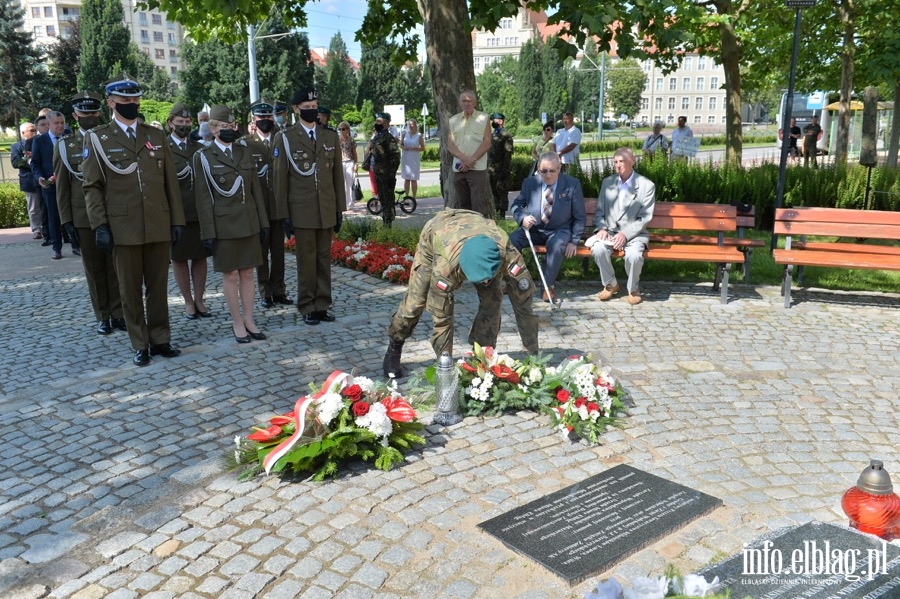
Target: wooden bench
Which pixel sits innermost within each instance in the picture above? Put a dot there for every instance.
(844, 224)
(678, 216)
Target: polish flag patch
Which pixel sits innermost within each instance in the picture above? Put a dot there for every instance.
(442, 285)
(514, 269)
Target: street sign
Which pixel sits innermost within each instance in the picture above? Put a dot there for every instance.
(800, 3)
(543, 117)
(424, 110)
(816, 101)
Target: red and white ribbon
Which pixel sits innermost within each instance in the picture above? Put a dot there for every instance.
(336, 378)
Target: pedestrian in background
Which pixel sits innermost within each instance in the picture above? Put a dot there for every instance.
(20, 156)
(499, 162)
(413, 144)
(568, 142)
(656, 142)
(348, 160)
(468, 143)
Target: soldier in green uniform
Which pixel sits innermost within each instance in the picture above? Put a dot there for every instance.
(103, 285)
(499, 159)
(281, 115)
(134, 207)
(386, 162)
(269, 274)
(455, 246)
(189, 256)
(308, 181)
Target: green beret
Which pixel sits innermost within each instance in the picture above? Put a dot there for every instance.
(324, 110)
(480, 258)
(383, 115)
(221, 113)
(498, 115)
(179, 109)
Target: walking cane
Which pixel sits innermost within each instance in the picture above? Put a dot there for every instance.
(554, 303)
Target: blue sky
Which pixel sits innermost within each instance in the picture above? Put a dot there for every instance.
(327, 17)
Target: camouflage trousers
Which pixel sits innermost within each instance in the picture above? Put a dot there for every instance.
(500, 191)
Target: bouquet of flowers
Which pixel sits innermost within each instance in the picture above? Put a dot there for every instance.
(495, 382)
(383, 260)
(348, 418)
(660, 587)
(587, 399)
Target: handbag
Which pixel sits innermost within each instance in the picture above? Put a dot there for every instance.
(367, 161)
(357, 192)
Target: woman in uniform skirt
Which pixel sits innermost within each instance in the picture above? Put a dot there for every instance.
(232, 214)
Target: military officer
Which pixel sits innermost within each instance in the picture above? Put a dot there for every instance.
(325, 116)
(233, 220)
(134, 206)
(189, 256)
(385, 162)
(269, 274)
(455, 246)
(99, 271)
(281, 115)
(499, 159)
(308, 180)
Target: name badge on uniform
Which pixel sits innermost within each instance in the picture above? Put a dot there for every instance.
(442, 285)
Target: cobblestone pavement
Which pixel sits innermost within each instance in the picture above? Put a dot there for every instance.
(112, 485)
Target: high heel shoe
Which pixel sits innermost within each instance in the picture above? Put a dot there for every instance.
(258, 335)
(244, 339)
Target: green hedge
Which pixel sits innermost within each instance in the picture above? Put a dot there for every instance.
(13, 211)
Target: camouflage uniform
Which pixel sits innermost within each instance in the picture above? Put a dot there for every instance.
(386, 161)
(436, 274)
(499, 159)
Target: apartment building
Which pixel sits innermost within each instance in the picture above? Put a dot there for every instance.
(157, 37)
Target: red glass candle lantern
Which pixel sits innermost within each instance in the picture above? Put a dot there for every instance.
(872, 505)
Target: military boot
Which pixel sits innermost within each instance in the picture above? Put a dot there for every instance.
(391, 364)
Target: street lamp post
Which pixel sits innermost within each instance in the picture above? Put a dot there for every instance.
(797, 5)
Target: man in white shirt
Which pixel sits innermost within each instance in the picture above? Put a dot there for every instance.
(468, 142)
(681, 132)
(568, 141)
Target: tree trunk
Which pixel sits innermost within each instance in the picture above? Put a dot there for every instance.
(731, 57)
(448, 48)
(845, 10)
(895, 129)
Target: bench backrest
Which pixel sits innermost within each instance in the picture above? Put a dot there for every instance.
(681, 216)
(837, 222)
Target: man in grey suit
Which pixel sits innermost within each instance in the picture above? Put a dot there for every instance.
(551, 207)
(624, 208)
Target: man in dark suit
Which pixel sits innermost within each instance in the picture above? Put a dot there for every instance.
(42, 167)
(20, 155)
(134, 207)
(551, 207)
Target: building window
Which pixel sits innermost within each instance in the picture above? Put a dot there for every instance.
(477, 62)
(711, 120)
(659, 84)
(644, 118)
(685, 103)
(698, 103)
(698, 119)
(670, 119)
(157, 19)
(35, 12)
(712, 103)
(701, 63)
(38, 31)
(160, 53)
(51, 30)
(48, 12)
(724, 120)
(142, 18)
(171, 39)
(146, 50)
(673, 83)
(671, 103)
(170, 25)
(646, 65)
(688, 63)
(686, 84)
(657, 104)
(701, 84)
(713, 83)
(174, 71)
(645, 103)
(157, 36)
(145, 35)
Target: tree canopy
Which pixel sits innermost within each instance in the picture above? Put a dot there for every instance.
(21, 71)
(105, 44)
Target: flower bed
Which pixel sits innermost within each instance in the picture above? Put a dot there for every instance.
(382, 260)
(348, 418)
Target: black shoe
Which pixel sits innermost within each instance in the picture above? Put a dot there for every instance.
(267, 302)
(193, 316)
(324, 316)
(165, 350)
(46, 242)
(56, 256)
(258, 335)
(104, 328)
(76, 251)
(283, 300)
(311, 318)
(119, 323)
(141, 357)
(244, 339)
(205, 314)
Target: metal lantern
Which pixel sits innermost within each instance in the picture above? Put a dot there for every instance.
(446, 392)
(872, 505)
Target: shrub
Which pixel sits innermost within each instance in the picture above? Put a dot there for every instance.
(13, 211)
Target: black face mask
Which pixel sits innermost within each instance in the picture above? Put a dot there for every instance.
(181, 131)
(128, 112)
(309, 115)
(88, 122)
(495, 125)
(227, 136)
(379, 127)
(265, 125)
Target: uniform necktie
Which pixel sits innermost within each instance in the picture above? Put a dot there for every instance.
(183, 146)
(547, 208)
(312, 137)
(228, 153)
(130, 132)
(266, 142)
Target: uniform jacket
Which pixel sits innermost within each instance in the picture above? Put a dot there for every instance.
(262, 157)
(631, 215)
(500, 153)
(386, 153)
(68, 155)
(19, 160)
(223, 217)
(308, 180)
(568, 211)
(141, 204)
(184, 170)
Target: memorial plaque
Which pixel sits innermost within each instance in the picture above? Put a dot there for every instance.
(585, 529)
(813, 561)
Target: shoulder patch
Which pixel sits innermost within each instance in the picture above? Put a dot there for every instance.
(84, 153)
(275, 153)
(524, 284)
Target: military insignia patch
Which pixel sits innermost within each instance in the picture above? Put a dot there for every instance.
(84, 153)
(514, 269)
(524, 284)
(71, 145)
(275, 153)
(103, 137)
(442, 285)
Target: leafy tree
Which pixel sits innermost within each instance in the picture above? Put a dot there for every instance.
(555, 77)
(377, 76)
(339, 79)
(160, 86)
(282, 63)
(530, 78)
(626, 85)
(105, 44)
(21, 72)
(215, 73)
(586, 81)
(63, 62)
(367, 118)
(498, 91)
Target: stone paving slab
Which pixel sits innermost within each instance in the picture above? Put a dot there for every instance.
(112, 486)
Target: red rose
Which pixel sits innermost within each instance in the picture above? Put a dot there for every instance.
(505, 373)
(360, 408)
(562, 395)
(353, 392)
(593, 407)
(265, 435)
(580, 402)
